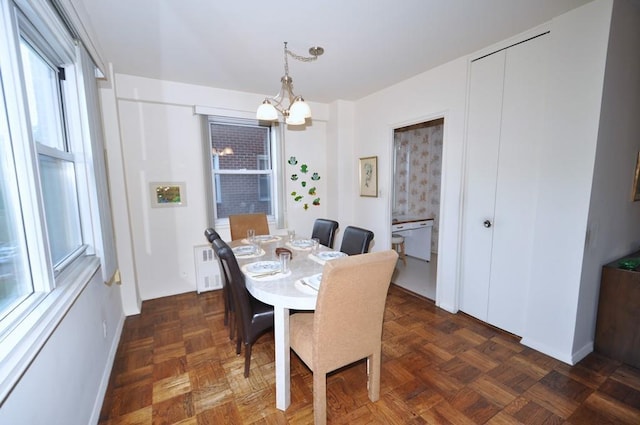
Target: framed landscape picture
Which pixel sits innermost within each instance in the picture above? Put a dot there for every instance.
(167, 194)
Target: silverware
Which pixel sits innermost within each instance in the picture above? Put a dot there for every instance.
(309, 285)
(266, 274)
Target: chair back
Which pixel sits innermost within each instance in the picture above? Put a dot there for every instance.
(214, 237)
(325, 231)
(235, 280)
(356, 240)
(211, 234)
(240, 223)
(349, 312)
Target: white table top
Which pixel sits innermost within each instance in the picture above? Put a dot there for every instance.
(283, 292)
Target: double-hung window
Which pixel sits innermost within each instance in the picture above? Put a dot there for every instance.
(56, 161)
(47, 180)
(242, 167)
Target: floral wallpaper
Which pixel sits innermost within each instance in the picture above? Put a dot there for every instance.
(418, 170)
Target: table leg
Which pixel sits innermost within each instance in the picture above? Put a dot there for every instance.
(283, 359)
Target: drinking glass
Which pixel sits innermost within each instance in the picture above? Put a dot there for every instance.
(316, 245)
(251, 235)
(285, 257)
(291, 234)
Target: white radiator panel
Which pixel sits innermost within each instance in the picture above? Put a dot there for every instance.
(207, 269)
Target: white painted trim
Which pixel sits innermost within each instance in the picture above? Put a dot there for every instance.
(106, 375)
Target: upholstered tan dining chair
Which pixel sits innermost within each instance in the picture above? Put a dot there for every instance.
(347, 323)
(240, 223)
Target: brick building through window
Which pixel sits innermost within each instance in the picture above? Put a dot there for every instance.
(243, 180)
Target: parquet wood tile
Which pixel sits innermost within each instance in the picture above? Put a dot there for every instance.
(176, 365)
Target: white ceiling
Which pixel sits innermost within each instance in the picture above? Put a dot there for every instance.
(237, 45)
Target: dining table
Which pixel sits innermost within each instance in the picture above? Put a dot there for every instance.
(294, 290)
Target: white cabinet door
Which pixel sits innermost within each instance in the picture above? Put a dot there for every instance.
(501, 189)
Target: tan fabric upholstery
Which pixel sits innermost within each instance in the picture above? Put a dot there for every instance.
(347, 323)
(240, 223)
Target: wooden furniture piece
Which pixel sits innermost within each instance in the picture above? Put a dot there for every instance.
(240, 223)
(617, 330)
(347, 323)
(397, 243)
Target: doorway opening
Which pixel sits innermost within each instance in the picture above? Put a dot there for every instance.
(415, 208)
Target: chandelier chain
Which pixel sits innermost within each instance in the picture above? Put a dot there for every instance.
(311, 58)
(302, 58)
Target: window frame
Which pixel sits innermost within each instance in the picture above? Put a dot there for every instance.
(26, 329)
(276, 178)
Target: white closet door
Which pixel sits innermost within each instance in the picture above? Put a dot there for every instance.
(517, 188)
(507, 96)
(483, 142)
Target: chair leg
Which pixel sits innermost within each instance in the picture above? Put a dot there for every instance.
(232, 325)
(226, 306)
(319, 398)
(247, 359)
(238, 342)
(373, 380)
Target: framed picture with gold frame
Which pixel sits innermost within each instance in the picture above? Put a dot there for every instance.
(369, 176)
(635, 193)
(165, 194)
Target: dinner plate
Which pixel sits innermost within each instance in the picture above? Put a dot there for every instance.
(301, 243)
(266, 238)
(244, 250)
(313, 281)
(263, 267)
(330, 255)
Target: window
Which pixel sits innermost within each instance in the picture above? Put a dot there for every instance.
(264, 180)
(47, 180)
(55, 160)
(15, 277)
(242, 167)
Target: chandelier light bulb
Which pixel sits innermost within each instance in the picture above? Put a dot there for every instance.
(298, 110)
(300, 107)
(267, 112)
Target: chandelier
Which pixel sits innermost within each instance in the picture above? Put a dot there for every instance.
(297, 110)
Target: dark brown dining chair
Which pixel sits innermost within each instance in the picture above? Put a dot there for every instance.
(347, 323)
(211, 234)
(253, 317)
(229, 309)
(240, 223)
(356, 240)
(325, 231)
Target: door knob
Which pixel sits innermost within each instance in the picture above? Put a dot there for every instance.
(487, 224)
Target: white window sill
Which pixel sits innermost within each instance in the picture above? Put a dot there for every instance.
(22, 344)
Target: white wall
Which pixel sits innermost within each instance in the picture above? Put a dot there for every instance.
(156, 136)
(567, 146)
(614, 224)
(567, 154)
(341, 166)
(436, 93)
(308, 147)
(66, 382)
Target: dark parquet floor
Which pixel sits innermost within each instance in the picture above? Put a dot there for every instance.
(176, 365)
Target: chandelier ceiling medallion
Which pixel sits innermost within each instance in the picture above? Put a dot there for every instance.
(296, 111)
